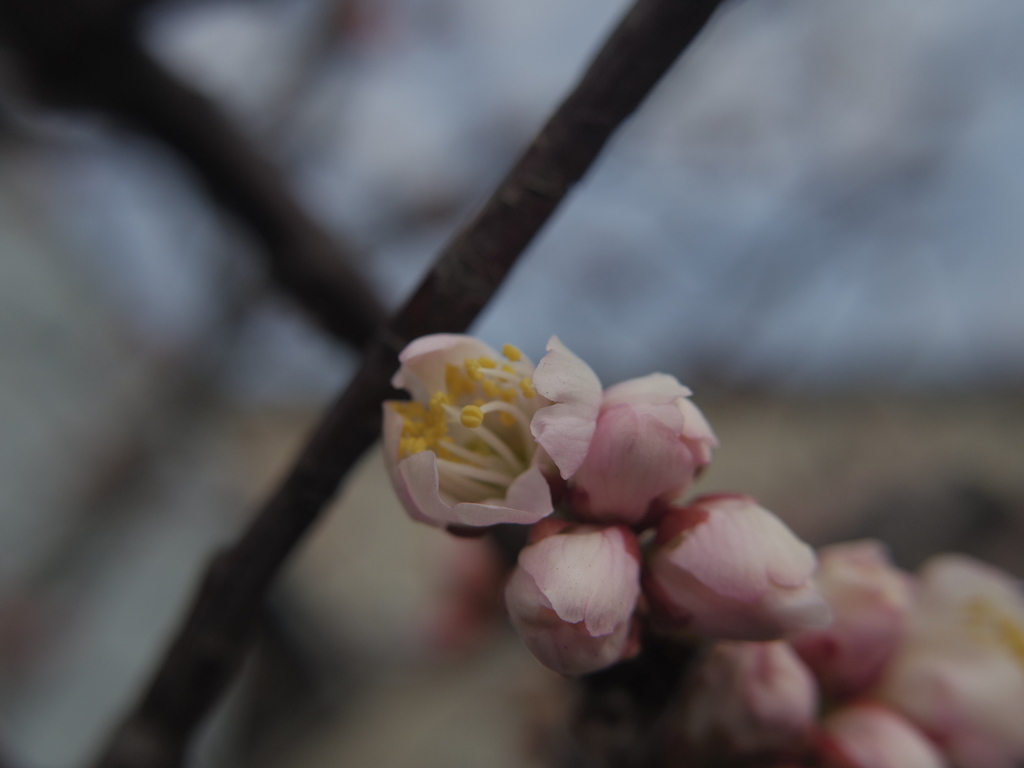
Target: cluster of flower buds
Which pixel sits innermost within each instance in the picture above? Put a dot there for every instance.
(916, 671)
(490, 438)
(835, 661)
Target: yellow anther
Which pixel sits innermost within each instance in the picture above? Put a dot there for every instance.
(508, 369)
(507, 419)
(508, 394)
(471, 416)
(526, 385)
(438, 401)
(1012, 637)
(410, 410)
(512, 353)
(490, 389)
(473, 370)
(456, 382)
(987, 619)
(486, 362)
(410, 445)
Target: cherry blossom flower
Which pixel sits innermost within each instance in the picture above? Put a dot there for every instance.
(649, 442)
(960, 673)
(725, 567)
(572, 597)
(871, 736)
(463, 451)
(751, 698)
(870, 600)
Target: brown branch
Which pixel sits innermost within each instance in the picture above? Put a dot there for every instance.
(303, 259)
(627, 716)
(98, 64)
(208, 649)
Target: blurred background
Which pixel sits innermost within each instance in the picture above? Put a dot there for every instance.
(814, 222)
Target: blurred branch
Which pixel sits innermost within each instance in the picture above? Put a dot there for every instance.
(620, 717)
(100, 65)
(210, 646)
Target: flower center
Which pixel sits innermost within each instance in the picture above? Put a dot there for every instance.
(478, 426)
(993, 624)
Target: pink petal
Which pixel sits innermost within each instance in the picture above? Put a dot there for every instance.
(750, 698)
(870, 600)
(870, 736)
(424, 360)
(586, 577)
(780, 689)
(392, 435)
(566, 648)
(418, 488)
(652, 388)
(697, 433)
(743, 550)
(958, 672)
(972, 704)
(683, 598)
(633, 459)
(565, 428)
(664, 397)
(530, 492)
(657, 394)
(738, 574)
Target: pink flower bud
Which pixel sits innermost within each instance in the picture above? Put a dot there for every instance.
(572, 596)
(960, 672)
(871, 736)
(463, 452)
(870, 600)
(649, 441)
(727, 568)
(751, 698)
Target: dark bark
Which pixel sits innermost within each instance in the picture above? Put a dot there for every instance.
(620, 720)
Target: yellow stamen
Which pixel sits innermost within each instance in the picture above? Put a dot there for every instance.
(438, 401)
(471, 416)
(410, 445)
(982, 615)
(456, 382)
(492, 385)
(412, 410)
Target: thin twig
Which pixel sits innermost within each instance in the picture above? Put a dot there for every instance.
(304, 261)
(208, 649)
(101, 66)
